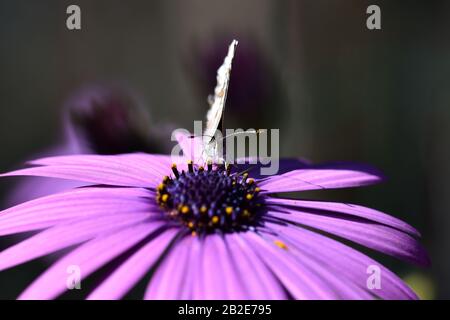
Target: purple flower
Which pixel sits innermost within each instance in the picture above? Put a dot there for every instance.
(206, 232)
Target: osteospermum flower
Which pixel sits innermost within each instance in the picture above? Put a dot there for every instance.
(206, 232)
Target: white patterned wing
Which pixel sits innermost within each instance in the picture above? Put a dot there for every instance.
(216, 111)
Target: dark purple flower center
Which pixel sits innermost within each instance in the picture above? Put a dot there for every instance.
(209, 200)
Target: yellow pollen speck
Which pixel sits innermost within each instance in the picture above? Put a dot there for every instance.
(245, 175)
(165, 179)
(165, 197)
(191, 224)
(251, 181)
(193, 233)
(184, 209)
(201, 168)
(215, 219)
(189, 162)
(249, 196)
(280, 244)
(229, 210)
(257, 189)
(246, 213)
(203, 209)
(160, 186)
(174, 165)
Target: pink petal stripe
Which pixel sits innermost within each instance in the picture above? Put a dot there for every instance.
(169, 278)
(375, 236)
(65, 235)
(88, 258)
(260, 283)
(136, 170)
(346, 209)
(313, 179)
(131, 271)
(343, 260)
(75, 204)
(298, 280)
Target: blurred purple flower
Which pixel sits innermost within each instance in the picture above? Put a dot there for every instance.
(207, 232)
(97, 120)
(104, 120)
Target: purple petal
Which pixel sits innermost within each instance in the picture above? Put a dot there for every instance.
(194, 282)
(135, 170)
(343, 261)
(301, 282)
(344, 289)
(220, 280)
(30, 188)
(347, 209)
(65, 235)
(260, 282)
(74, 204)
(221, 265)
(169, 278)
(372, 235)
(133, 269)
(254, 169)
(88, 258)
(318, 178)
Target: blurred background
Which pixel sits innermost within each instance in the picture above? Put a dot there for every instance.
(336, 90)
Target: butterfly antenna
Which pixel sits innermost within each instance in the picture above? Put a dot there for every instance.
(258, 131)
(246, 170)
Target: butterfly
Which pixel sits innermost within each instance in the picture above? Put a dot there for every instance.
(210, 147)
(215, 115)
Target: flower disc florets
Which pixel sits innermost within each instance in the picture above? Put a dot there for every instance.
(209, 200)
